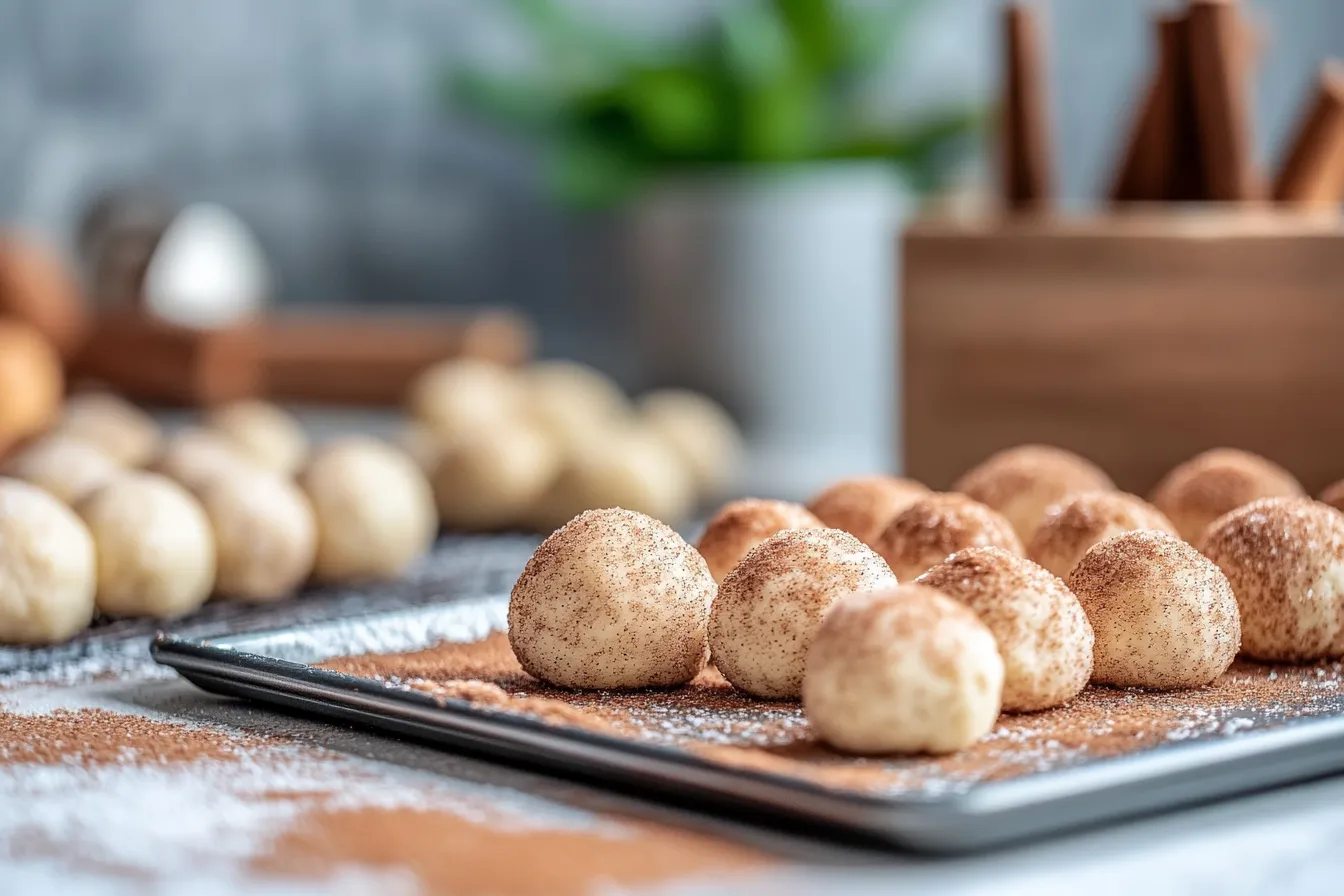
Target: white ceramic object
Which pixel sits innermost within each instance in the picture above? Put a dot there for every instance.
(207, 271)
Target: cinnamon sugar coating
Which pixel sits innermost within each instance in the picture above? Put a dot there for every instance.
(739, 526)
(1285, 560)
(1080, 521)
(1043, 635)
(1163, 614)
(612, 599)
(1023, 482)
(769, 607)
(936, 526)
(1197, 492)
(863, 505)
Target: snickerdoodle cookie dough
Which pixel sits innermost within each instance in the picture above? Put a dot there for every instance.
(195, 456)
(459, 397)
(1080, 521)
(66, 467)
(700, 432)
(905, 670)
(864, 505)
(1285, 560)
(374, 510)
(1043, 635)
(936, 526)
(265, 535)
(769, 607)
(119, 429)
(1163, 614)
(1197, 492)
(572, 403)
(156, 553)
(264, 433)
(739, 526)
(1023, 482)
(47, 554)
(493, 478)
(612, 599)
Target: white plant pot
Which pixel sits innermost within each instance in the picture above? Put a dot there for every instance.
(776, 292)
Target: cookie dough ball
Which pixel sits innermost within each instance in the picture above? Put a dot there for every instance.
(460, 397)
(48, 568)
(613, 599)
(739, 526)
(573, 402)
(1163, 614)
(156, 553)
(907, 670)
(492, 480)
(113, 425)
(265, 434)
(374, 509)
(770, 606)
(1022, 482)
(67, 468)
(421, 445)
(1334, 495)
(864, 505)
(1043, 635)
(265, 535)
(701, 433)
(1284, 558)
(1080, 521)
(1211, 484)
(194, 457)
(936, 526)
(31, 383)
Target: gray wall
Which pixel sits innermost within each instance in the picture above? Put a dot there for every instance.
(317, 120)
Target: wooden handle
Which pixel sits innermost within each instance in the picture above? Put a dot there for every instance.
(1313, 170)
(1218, 61)
(1026, 141)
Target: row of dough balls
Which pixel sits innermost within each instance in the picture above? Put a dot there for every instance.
(530, 448)
(106, 514)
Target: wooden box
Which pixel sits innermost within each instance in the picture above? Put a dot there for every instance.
(1136, 340)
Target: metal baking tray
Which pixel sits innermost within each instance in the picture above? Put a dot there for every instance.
(272, 667)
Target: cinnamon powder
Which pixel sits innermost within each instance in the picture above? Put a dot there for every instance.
(95, 737)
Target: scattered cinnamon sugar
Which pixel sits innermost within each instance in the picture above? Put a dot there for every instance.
(96, 737)
(708, 717)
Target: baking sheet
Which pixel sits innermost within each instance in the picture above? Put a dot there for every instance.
(1275, 745)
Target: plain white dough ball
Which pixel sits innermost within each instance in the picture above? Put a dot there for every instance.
(1220, 480)
(1023, 482)
(770, 606)
(69, 468)
(47, 567)
(374, 509)
(739, 526)
(573, 403)
(905, 670)
(1042, 632)
(701, 433)
(119, 429)
(421, 444)
(265, 535)
(156, 553)
(460, 397)
(195, 456)
(1082, 520)
(494, 478)
(1284, 558)
(864, 505)
(613, 599)
(1163, 614)
(264, 433)
(932, 528)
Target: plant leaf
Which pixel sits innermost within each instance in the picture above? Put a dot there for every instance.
(816, 30)
(755, 44)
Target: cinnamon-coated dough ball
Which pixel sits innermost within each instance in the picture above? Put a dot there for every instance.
(265, 535)
(739, 526)
(1043, 635)
(113, 425)
(67, 468)
(572, 402)
(936, 526)
(864, 505)
(264, 433)
(612, 599)
(1163, 614)
(1082, 520)
(1284, 558)
(31, 383)
(905, 670)
(47, 568)
(701, 433)
(1220, 480)
(195, 457)
(156, 553)
(770, 606)
(1022, 482)
(374, 509)
(492, 479)
(459, 397)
